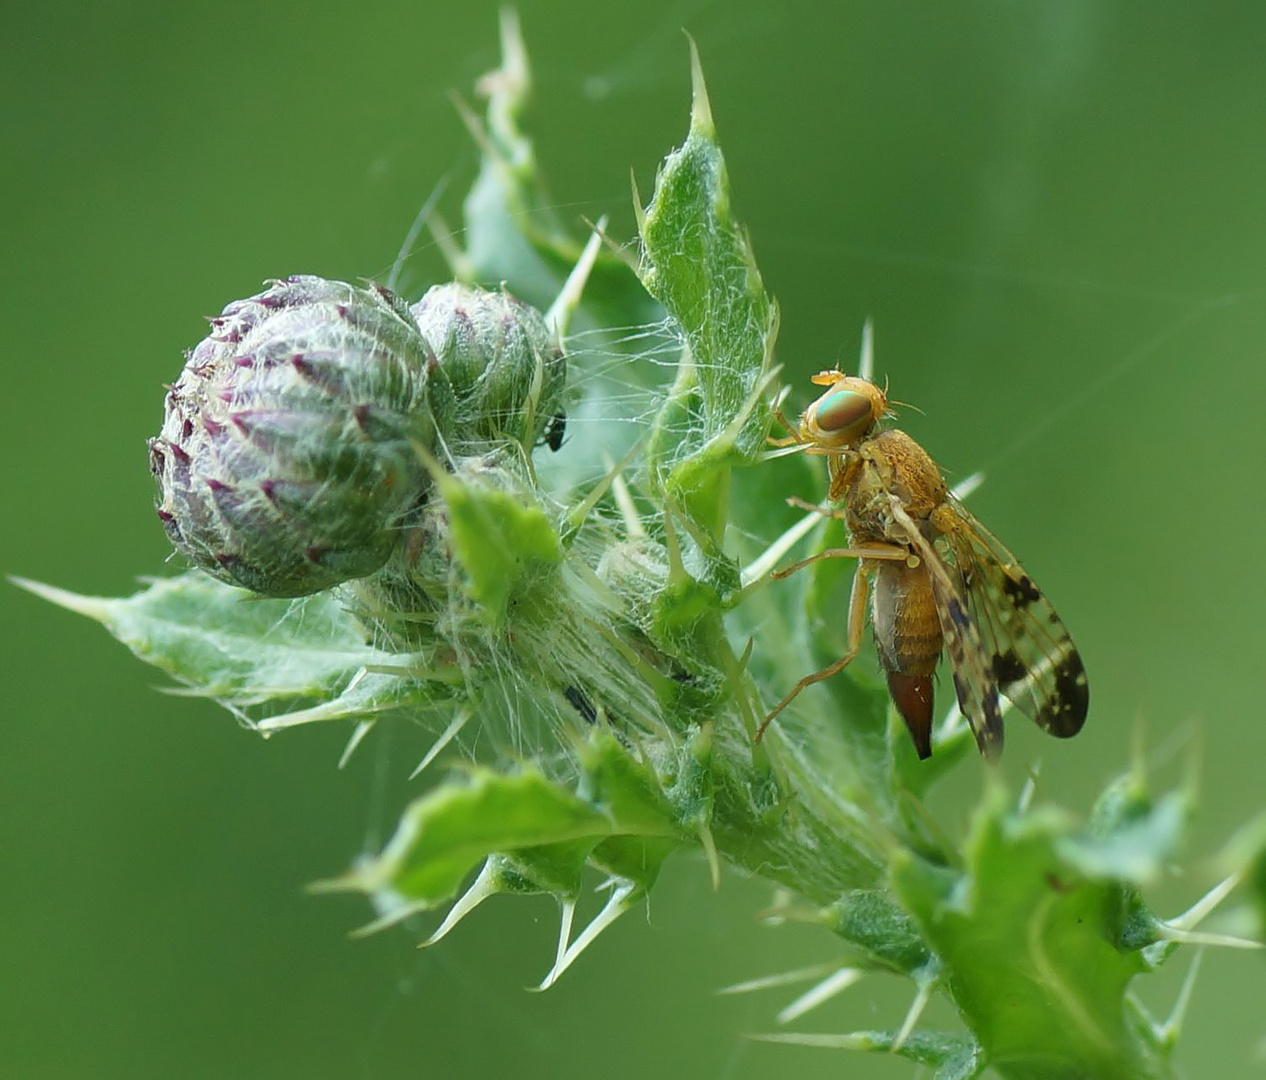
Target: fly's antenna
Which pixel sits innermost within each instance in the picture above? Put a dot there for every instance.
(904, 404)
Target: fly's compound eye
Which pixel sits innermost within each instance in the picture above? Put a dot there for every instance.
(844, 415)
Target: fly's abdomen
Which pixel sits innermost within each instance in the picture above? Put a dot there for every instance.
(907, 628)
(908, 640)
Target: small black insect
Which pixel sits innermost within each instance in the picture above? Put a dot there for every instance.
(554, 431)
(581, 703)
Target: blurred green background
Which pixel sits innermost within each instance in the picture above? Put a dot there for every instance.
(1055, 213)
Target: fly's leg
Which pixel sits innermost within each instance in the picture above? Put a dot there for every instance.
(792, 437)
(877, 550)
(856, 633)
(885, 552)
(814, 508)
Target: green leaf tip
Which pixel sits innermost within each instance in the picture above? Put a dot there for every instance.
(444, 833)
(954, 1057)
(97, 608)
(535, 835)
(639, 209)
(539, 829)
(697, 262)
(514, 62)
(700, 108)
(272, 663)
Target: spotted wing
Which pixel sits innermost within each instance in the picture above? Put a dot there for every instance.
(974, 682)
(1030, 654)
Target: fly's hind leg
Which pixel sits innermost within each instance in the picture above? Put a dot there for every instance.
(856, 632)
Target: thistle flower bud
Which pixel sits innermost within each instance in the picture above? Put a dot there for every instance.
(287, 462)
(505, 369)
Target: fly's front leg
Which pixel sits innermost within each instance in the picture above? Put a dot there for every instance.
(793, 430)
(856, 633)
(842, 469)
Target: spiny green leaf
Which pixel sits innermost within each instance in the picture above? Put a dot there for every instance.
(879, 931)
(1031, 947)
(510, 237)
(514, 236)
(263, 658)
(698, 263)
(443, 834)
(543, 829)
(503, 542)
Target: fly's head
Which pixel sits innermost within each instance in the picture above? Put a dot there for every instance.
(846, 414)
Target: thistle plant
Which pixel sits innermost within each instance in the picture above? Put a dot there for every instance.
(374, 500)
(285, 463)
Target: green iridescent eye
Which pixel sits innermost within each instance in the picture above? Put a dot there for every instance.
(842, 409)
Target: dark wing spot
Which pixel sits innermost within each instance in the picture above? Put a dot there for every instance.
(1064, 713)
(989, 733)
(956, 612)
(1021, 591)
(1007, 667)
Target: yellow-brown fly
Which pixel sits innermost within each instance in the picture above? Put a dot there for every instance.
(937, 579)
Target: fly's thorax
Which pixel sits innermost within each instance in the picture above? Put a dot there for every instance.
(907, 471)
(895, 465)
(904, 616)
(891, 464)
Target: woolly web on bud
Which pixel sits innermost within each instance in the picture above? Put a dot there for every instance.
(534, 687)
